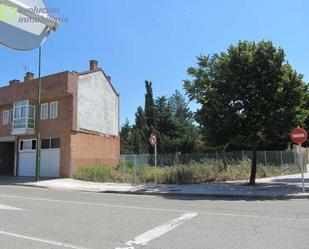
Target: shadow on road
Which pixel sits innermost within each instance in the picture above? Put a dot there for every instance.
(279, 189)
(11, 180)
(289, 180)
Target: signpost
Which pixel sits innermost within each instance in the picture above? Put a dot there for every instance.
(299, 136)
(153, 142)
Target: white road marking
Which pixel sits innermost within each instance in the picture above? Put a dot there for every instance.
(94, 204)
(157, 232)
(156, 209)
(6, 207)
(49, 242)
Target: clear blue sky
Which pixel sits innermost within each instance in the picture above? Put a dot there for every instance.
(158, 40)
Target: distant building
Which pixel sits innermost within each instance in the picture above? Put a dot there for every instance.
(79, 123)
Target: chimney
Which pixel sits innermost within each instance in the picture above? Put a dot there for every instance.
(29, 76)
(93, 65)
(109, 78)
(13, 82)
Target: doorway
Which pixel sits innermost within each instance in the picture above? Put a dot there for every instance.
(7, 158)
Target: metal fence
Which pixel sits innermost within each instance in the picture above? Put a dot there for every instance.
(275, 158)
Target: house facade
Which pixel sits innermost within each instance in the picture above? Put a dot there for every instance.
(79, 123)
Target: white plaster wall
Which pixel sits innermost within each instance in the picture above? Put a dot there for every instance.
(97, 106)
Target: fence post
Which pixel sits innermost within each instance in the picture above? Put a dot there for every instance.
(281, 161)
(265, 157)
(122, 168)
(134, 169)
(243, 155)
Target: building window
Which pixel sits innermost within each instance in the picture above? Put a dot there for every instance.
(44, 111)
(11, 116)
(23, 115)
(54, 109)
(45, 143)
(6, 117)
(50, 143)
(27, 145)
(55, 143)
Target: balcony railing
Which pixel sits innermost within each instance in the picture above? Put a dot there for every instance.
(23, 118)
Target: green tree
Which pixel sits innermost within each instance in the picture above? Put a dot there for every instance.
(219, 113)
(126, 138)
(187, 135)
(249, 95)
(165, 125)
(150, 111)
(180, 107)
(140, 142)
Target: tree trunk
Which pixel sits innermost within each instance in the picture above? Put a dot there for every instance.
(253, 165)
(224, 158)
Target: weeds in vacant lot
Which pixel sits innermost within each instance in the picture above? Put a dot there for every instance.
(207, 171)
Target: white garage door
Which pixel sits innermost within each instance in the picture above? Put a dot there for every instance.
(50, 161)
(26, 163)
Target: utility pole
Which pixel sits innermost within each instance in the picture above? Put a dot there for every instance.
(37, 122)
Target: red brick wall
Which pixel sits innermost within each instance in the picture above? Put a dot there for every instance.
(60, 87)
(5, 130)
(54, 85)
(89, 149)
(76, 149)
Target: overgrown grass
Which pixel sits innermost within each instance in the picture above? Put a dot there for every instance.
(207, 171)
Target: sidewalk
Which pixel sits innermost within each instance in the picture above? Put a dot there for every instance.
(283, 187)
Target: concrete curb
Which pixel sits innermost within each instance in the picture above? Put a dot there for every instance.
(214, 196)
(183, 195)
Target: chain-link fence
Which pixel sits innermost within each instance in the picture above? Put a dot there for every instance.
(274, 158)
(205, 167)
(195, 168)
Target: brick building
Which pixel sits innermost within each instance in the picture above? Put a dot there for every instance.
(79, 123)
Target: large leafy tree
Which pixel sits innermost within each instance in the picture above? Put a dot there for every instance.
(219, 113)
(248, 95)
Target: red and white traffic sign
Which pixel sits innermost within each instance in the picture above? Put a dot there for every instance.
(299, 135)
(153, 139)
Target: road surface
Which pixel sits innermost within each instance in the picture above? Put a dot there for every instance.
(34, 218)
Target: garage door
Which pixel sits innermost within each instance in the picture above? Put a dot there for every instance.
(50, 160)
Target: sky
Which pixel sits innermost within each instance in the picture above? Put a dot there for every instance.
(157, 40)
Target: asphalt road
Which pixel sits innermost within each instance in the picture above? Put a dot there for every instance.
(33, 218)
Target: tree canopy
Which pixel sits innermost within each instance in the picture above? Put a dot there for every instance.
(249, 95)
(169, 117)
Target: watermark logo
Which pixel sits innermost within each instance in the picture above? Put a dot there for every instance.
(12, 15)
(40, 13)
(8, 14)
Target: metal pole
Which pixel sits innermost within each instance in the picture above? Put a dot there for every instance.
(135, 174)
(301, 161)
(37, 122)
(155, 150)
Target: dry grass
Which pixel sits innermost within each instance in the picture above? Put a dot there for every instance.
(207, 171)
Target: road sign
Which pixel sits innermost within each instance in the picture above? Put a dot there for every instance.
(153, 142)
(299, 135)
(153, 139)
